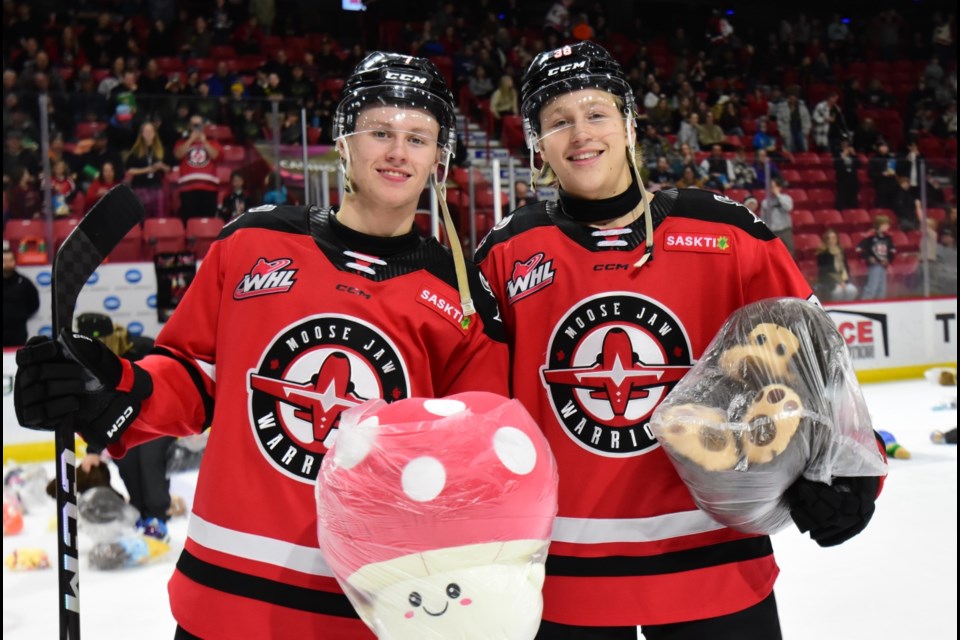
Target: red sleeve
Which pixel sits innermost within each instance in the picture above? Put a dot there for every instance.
(183, 365)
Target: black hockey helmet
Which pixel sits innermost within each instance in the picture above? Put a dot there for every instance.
(583, 65)
(392, 79)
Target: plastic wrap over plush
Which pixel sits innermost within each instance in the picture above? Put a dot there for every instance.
(435, 516)
(774, 397)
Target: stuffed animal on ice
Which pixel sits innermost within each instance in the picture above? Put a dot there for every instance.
(435, 516)
(774, 397)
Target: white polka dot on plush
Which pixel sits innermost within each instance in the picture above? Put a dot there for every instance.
(444, 406)
(354, 443)
(515, 450)
(423, 478)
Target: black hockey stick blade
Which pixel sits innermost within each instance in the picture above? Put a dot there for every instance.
(102, 229)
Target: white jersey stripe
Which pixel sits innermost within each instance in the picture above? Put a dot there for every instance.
(260, 548)
(603, 530)
(208, 369)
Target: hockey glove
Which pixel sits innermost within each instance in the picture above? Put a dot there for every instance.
(78, 376)
(833, 513)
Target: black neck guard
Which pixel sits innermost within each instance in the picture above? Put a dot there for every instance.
(600, 210)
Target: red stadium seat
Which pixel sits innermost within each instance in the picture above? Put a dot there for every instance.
(62, 228)
(821, 198)
(31, 233)
(130, 248)
(234, 154)
(828, 219)
(201, 232)
(737, 195)
(791, 176)
(856, 220)
(804, 222)
(805, 245)
(798, 195)
(814, 178)
(86, 130)
(162, 235)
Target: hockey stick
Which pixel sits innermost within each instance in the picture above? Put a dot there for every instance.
(102, 229)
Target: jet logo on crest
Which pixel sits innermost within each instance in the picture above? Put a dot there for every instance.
(611, 361)
(310, 374)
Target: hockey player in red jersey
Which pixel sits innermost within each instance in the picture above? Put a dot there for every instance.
(295, 315)
(608, 296)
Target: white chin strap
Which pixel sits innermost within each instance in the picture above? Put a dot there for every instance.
(459, 263)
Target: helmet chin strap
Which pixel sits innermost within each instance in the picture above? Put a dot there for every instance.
(644, 200)
(459, 263)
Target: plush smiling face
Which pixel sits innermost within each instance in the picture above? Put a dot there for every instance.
(482, 592)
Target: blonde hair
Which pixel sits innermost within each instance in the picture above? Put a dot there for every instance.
(140, 149)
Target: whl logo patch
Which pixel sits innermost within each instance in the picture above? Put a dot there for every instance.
(266, 278)
(698, 242)
(529, 276)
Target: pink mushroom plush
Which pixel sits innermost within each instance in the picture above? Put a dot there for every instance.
(435, 516)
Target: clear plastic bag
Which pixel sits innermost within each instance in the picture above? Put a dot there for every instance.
(435, 516)
(774, 397)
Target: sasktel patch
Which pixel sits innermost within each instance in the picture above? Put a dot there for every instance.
(698, 242)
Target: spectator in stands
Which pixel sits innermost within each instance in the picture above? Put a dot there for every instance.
(684, 159)
(503, 101)
(205, 105)
(291, 131)
(765, 167)
(730, 117)
(876, 96)
(100, 153)
(882, 169)
(837, 34)
(828, 125)
(661, 116)
(198, 40)
(557, 19)
(105, 180)
(833, 273)
(793, 123)
(198, 183)
(709, 133)
(524, 194)
(248, 130)
(906, 206)
(20, 301)
(845, 166)
(878, 251)
(689, 179)
(146, 170)
(63, 188)
(943, 273)
(690, 132)
(866, 138)
(762, 138)
(275, 191)
(775, 212)
(219, 83)
(946, 127)
(300, 89)
(17, 157)
(717, 168)
(744, 175)
(24, 201)
(238, 200)
(662, 175)
(751, 202)
(909, 165)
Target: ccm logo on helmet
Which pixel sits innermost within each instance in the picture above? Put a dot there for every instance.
(405, 77)
(567, 67)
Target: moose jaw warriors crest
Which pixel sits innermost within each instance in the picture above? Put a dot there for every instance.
(611, 359)
(312, 371)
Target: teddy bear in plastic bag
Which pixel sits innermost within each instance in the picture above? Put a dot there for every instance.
(435, 516)
(774, 397)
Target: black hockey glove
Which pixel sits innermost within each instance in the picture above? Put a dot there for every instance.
(833, 513)
(78, 376)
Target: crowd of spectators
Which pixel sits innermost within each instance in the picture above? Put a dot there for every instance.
(727, 101)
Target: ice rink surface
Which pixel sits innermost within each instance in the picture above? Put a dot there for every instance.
(897, 580)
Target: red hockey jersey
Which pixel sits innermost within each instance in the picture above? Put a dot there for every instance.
(293, 318)
(596, 344)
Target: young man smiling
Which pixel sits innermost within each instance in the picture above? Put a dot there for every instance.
(296, 314)
(600, 333)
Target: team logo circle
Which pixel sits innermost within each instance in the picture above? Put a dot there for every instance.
(610, 362)
(310, 374)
